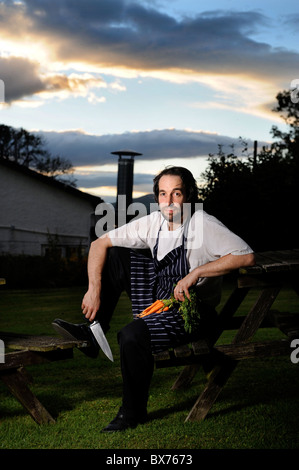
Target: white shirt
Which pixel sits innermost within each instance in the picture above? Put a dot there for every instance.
(207, 240)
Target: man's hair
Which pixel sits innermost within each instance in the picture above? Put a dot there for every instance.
(188, 180)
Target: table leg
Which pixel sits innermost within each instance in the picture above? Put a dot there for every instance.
(228, 310)
(223, 371)
(16, 382)
(257, 314)
(218, 378)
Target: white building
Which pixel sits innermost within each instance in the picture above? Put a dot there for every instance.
(37, 211)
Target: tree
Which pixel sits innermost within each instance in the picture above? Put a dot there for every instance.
(288, 143)
(56, 167)
(28, 149)
(258, 197)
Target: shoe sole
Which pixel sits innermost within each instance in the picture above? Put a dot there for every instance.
(84, 347)
(64, 333)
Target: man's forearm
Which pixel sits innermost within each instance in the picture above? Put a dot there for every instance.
(96, 260)
(225, 265)
(219, 267)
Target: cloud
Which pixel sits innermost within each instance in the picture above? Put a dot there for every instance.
(85, 150)
(114, 34)
(108, 179)
(91, 155)
(23, 79)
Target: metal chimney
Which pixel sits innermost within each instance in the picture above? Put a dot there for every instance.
(124, 183)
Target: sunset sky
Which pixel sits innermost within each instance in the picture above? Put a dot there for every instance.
(170, 79)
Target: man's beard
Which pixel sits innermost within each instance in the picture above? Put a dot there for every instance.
(172, 214)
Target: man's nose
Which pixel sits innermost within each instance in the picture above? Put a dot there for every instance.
(169, 199)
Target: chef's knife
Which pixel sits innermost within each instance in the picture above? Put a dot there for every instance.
(100, 337)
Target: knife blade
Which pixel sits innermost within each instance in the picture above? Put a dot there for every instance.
(101, 339)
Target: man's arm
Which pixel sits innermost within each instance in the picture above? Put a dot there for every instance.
(219, 267)
(96, 261)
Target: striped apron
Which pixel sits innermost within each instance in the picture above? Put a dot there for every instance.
(153, 279)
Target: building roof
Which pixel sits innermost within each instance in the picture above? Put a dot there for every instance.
(50, 181)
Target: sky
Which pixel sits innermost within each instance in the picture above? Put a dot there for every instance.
(171, 79)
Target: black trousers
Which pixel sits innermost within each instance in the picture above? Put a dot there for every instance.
(137, 366)
(116, 278)
(137, 362)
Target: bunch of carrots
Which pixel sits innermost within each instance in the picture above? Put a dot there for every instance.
(157, 307)
(189, 309)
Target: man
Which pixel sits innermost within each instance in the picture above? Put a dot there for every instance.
(189, 250)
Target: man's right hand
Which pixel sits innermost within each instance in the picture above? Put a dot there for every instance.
(91, 304)
(96, 260)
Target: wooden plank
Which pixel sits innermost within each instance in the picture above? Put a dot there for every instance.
(273, 261)
(286, 256)
(269, 262)
(162, 356)
(186, 376)
(257, 314)
(243, 351)
(41, 343)
(14, 360)
(205, 401)
(182, 351)
(17, 385)
(251, 270)
(279, 260)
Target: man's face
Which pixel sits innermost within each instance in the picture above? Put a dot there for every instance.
(171, 198)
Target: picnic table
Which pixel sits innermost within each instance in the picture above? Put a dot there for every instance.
(273, 271)
(27, 350)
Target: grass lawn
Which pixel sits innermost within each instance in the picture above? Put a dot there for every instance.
(258, 408)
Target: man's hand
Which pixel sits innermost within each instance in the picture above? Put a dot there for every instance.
(219, 267)
(91, 303)
(182, 288)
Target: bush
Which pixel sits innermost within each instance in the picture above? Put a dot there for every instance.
(25, 271)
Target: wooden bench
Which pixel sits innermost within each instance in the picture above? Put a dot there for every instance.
(272, 271)
(27, 350)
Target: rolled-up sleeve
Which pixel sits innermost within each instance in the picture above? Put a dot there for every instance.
(220, 241)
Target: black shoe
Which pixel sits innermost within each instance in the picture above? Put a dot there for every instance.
(122, 422)
(78, 332)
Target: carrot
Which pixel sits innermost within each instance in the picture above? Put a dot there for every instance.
(163, 309)
(153, 308)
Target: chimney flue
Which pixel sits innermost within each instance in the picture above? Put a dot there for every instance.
(125, 179)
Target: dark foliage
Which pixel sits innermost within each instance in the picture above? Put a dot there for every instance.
(257, 197)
